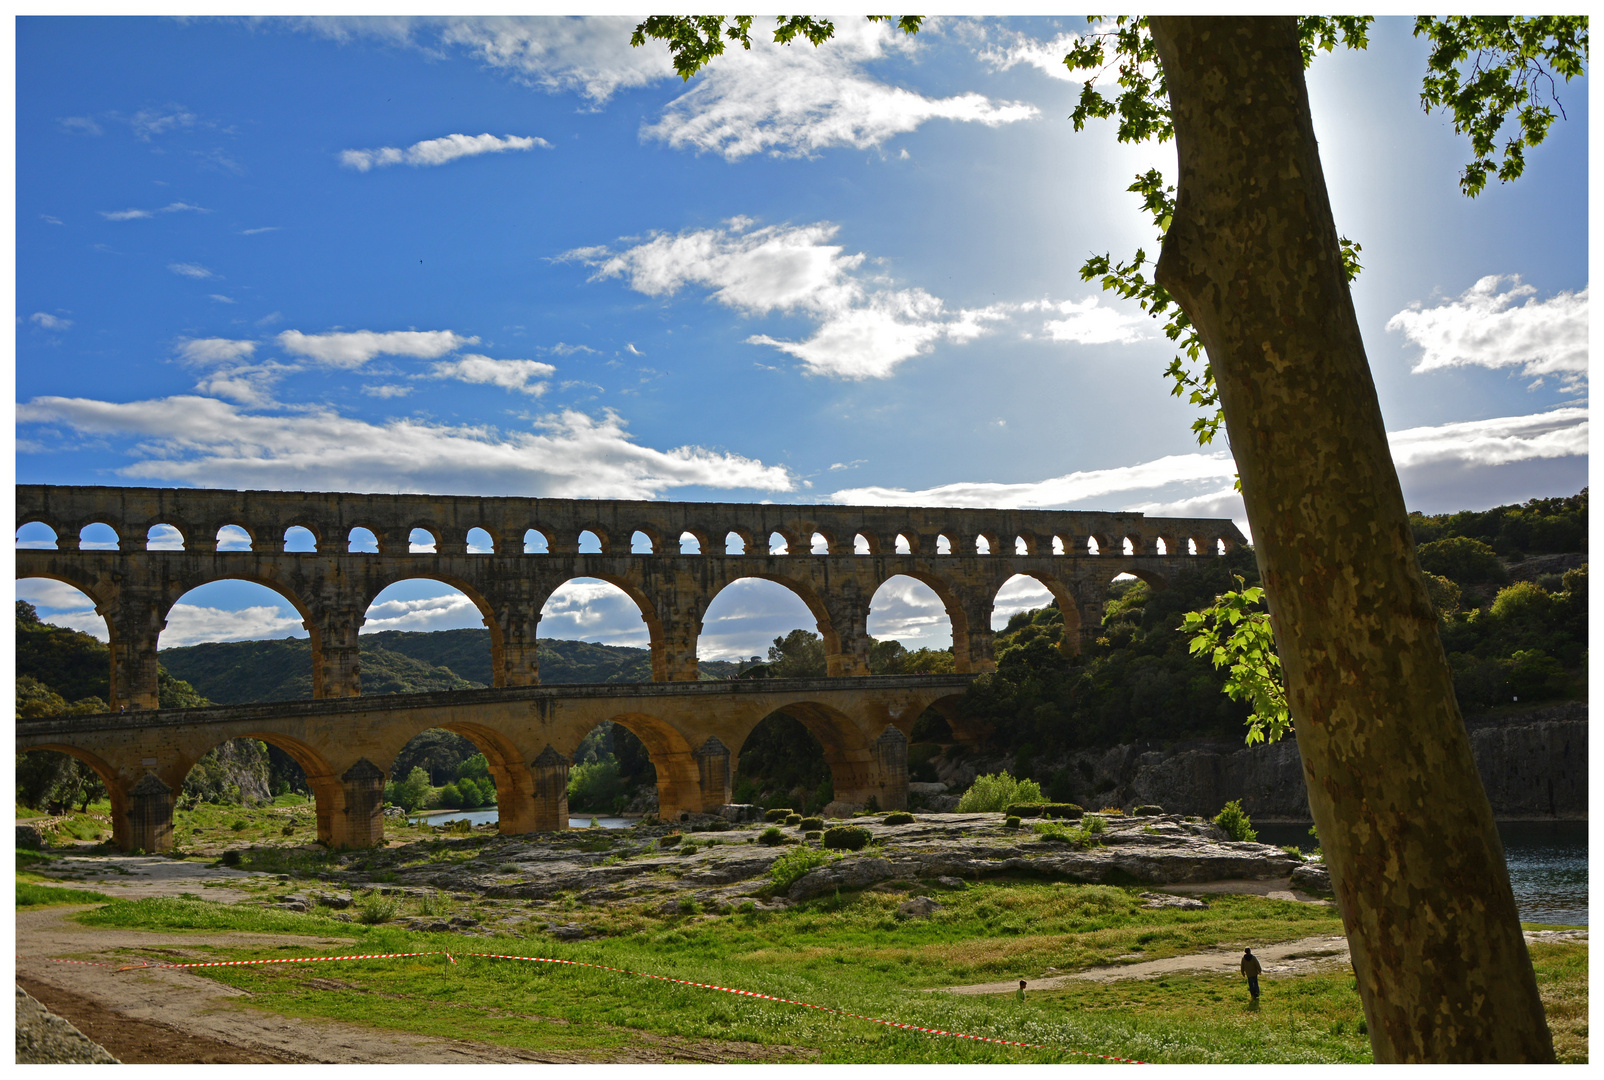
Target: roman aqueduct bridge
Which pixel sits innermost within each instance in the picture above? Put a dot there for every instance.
(508, 555)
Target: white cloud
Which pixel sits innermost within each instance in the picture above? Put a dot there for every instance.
(438, 151)
(387, 390)
(46, 218)
(192, 624)
(221, 299)
(148, 123)
(448, 612)
(1501, 440)
(795, 100)
(249, 384)
(49, 321)
(136, 213)
(1485, 328)
(1087, 322)
(82, 124)
(190, 270)
(520, 375)
(215, 350)
(1045, 56)
(1452, 460)
(257, 232)
(210, 443)
(353, 349)
(865, 329)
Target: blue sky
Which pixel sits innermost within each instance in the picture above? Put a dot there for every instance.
(519, 257)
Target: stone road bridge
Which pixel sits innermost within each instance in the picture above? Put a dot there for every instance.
(693, 732)
(508, 555)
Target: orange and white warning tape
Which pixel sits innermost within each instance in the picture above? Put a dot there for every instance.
(627, 971)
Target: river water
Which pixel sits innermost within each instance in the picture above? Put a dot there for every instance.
(1547, 859)
(1547, 863)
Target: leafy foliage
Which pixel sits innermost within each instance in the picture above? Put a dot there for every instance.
(1461, 559)
(1235, 823)
(1535, 527)
(791, 867)
(996, 791)
(694, 40)
(1235, 633)
(1484, 67)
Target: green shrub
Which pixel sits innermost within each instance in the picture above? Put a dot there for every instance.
(812, 834)
(1067, 810)
(846, 838)
(790, 867)
(671, 840)
(898, 819)
(688, 849)
(810, 824)
(1461, 559)
(793, 819)
(1235, 823)
(1093, 824)
(1023, 810)
(771, 836)
(451, 797)
(230, 858)
(238, 825)
(376, 909)
(1150, 810)
(777, 814)
(1012, 822)
(993, 792)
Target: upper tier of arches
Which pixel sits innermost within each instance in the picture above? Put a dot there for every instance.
(208, 520)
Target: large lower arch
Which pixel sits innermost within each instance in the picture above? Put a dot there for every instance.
(680, 787)
(851, 756)
(120, 826)
(509, 769)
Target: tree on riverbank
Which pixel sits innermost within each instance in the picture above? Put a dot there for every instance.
(1252, 257)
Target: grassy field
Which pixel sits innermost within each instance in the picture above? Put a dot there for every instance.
(850, 953)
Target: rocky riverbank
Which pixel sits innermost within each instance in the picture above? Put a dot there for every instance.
(725, 866)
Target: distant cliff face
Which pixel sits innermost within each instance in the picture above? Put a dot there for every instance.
(1533, 765)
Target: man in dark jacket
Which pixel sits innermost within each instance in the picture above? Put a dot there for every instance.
(1251, 968)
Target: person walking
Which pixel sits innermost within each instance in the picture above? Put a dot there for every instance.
(1251, 968)
(1019, 995)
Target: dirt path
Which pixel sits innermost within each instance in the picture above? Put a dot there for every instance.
(164, 1016)
(1287, 958)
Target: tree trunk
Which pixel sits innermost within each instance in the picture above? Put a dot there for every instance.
(1253, 259)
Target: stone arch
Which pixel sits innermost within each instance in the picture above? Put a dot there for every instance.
(652, 541)
(821, 542)
(694, 536)
(436, 539)
(86, 544)
(1026, 544)
(1098, 544)
(943, 543)
(643, 603)
(509, 769)
(328, 795)
(1059, 547)
(237, 537)
(865, 543)
(878, 603)
(987, 543)
(907, 543)
(604, 543)
(486, 612)
(957, 617)
(164, 536)
(116, 791)
(966, 731)
(1068, 605)
(743, 541)
(362, 539)
(35, 541)
(483, 544)
(1156, 579)
(847, 751)
(803, 592)
(292, 541)
(789, 540)
(679, 788)
(536, 542)
(82, 585)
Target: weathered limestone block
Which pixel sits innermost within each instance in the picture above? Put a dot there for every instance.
(150, 815)
(550, 773)
(713, 771)
(362, 822)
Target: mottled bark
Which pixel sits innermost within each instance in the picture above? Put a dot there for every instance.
(1253, 258)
